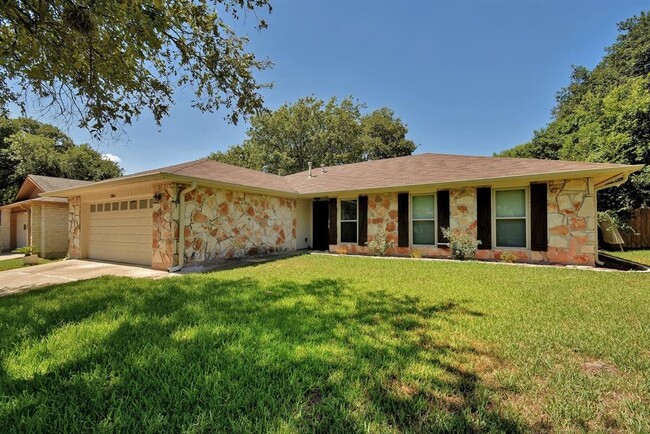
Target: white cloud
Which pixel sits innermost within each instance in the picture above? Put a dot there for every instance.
(111, 157)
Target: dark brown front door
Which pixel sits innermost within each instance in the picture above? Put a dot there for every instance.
(320, 214)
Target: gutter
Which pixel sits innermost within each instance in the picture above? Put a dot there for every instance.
(181, 230)
(614, 181)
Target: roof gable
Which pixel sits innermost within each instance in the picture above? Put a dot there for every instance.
(34, 185)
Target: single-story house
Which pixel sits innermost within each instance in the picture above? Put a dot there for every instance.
(40, 222)
(539, 210)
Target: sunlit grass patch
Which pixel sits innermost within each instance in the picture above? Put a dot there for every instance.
(331, 344)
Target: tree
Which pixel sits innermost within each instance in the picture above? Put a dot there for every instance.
(28, 147)
(103, 62)
(330, 133)
(603, 115)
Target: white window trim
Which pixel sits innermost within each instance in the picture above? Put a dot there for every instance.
(339, 212)
(435, 219)
(526, 218)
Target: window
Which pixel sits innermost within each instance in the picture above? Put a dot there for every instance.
(423, 220)
(107, 207)
(144, 204)
(115, 206)
(100, 207)
(133, 204)
(124, 206)
(93, 208)
(510, 216)
(348, 221)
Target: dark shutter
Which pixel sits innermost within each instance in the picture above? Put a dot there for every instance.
(403, 220)
(484, 217)
(333, 221)
(443, 214)
(538, 222)
(363, 220)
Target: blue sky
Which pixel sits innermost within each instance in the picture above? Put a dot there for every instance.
(468, 77)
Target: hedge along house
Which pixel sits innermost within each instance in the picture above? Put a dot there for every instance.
(40, 222)
(539, 210)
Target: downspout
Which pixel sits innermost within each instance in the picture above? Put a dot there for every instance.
(606, 184)
(181, 230)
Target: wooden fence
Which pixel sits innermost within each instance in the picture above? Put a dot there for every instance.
(640, 222)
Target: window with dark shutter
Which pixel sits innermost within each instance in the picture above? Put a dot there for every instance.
(403, 220)
(538, 217)
(363, 220)
(443, 214)
(484, 217)
(333, 221)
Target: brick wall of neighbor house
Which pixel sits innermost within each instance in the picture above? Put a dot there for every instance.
(5, 229)
(36, 226)
(54, 238)
(571, 225)
(222, 223)
(74, 227)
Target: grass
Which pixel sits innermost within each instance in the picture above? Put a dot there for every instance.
(12, 264)
(332, 344)
(640, 256)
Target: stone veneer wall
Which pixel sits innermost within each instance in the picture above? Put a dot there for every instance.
(221, 223)
(74, 227)
(165, 228)
(571, 225)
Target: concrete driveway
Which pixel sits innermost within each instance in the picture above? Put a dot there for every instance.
(26, 278)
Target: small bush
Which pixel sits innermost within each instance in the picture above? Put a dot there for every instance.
(509, 257)
(341, 251)
(28, 250)
(380, 244)
(463, 245)
(416, 253)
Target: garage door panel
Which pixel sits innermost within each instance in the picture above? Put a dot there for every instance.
(121, 235)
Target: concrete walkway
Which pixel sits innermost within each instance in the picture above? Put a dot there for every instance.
(26, 278)
(7, 256)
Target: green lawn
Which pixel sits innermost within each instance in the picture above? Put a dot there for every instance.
(640, 256)
(11, 264)
(332, 344)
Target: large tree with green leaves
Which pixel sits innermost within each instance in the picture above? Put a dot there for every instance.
(603, 115)
(285, 140)
(31, 147)
(104, 62)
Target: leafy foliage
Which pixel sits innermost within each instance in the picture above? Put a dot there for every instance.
(462, 244)
(104, 62)
(380, 243)
(603, 115)
(330, 133)
(28, 147)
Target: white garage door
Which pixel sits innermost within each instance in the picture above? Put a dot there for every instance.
(120, 231)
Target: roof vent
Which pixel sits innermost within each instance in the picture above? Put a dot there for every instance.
(309, 164)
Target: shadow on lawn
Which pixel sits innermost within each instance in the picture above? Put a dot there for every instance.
(202, 354)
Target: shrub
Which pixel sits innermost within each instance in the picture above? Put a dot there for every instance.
(380, 244)
(28, 250)
(462, 244)
(509, 257)
(416, 253)
(341, 251)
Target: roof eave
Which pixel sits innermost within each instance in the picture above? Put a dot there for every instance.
(549, 176)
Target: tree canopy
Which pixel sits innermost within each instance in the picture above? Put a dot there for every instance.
(28, 147)
(285, 140)
(103, 62)
(603, 115)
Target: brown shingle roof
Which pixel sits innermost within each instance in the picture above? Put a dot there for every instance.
(414, 170)
(423, 169)
(211, 170)
(50, 183)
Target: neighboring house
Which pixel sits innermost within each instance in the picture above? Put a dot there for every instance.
(40, 222)
(542, 211)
